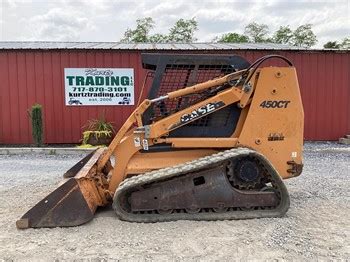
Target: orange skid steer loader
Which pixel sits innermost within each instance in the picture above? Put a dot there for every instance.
(214, 140)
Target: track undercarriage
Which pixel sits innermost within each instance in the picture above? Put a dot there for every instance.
(234, 184)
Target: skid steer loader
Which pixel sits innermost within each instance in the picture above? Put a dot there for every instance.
(213, 140)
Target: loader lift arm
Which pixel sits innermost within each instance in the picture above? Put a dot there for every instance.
(162, 127)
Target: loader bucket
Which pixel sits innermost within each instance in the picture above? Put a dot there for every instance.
(64, 207)
(71, 204)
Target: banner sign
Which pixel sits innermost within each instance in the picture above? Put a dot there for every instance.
(99, 86)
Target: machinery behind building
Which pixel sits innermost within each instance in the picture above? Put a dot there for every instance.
(214, 140)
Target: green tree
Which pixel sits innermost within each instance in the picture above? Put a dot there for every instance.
(332, 45)
(158, 38)
(345, 43)
(257, 33)
(140, 33)
(304, 37)
(283, 35)
(233, 38)
(183, 31)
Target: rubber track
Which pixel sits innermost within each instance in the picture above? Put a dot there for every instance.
(164, 174)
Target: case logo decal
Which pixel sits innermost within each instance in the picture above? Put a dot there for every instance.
(203, 110)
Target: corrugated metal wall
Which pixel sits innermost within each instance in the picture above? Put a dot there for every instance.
(29, 76)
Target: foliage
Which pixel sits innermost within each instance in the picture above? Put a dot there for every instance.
(37, 124)
(97, 134)
(158, 38)
(140, 33)
(283, 35)
(233, 38)
(332, 45)
(183, 31)
(304, 37)
(98, 128)
(346, 43)
(99, 124)
(257, 33)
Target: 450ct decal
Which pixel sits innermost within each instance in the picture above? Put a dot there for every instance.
(275, 104)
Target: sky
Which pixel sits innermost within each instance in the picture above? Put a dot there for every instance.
(107, 20)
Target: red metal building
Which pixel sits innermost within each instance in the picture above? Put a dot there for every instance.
(32, 72)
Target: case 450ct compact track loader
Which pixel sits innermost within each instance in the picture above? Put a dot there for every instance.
(212, 141)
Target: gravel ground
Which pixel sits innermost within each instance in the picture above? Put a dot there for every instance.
(315, 228)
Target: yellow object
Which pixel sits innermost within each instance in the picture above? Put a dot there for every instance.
(90, 146)
(155, 176)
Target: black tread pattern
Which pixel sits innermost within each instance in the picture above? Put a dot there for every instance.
(127, 186)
